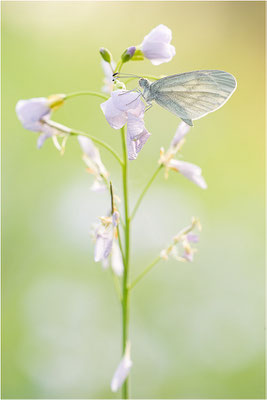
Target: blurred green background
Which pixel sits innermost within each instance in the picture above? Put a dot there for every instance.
(197, 329)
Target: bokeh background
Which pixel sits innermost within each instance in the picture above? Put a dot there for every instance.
(197, 329)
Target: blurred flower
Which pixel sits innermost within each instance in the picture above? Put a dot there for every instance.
(92, 159)
(106, 246)
(122, 370)
(184, 238)
(181, 131)
(125, 106)
(34, 114)
(156, 45)
(108, 69)
(190, 171)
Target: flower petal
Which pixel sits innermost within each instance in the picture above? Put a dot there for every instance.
(116, 259)
(92, 153)
(31, 112)
(125, 100)
(181, 131)
(103, 244)
(135, 126)
(115, 117)
(158, 53)
(193, 238)
(121, 372)
(190, 171)
(41, 139)
(135, 146)
(98, 186)
(160, 33)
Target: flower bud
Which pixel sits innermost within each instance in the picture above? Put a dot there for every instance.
(105, 54)
(128, 54)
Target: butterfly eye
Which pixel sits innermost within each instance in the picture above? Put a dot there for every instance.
(142, 82)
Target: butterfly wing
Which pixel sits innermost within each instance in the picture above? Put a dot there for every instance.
(193, 94)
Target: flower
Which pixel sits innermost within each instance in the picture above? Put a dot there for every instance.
(190, 171)
(34, 114)
(126, 107)
(156, 45)
(122, 370)
(108, 69)
(92, 159)
(106, 245)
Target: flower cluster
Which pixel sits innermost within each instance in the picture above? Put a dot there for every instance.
(183, 239)
(126, 106)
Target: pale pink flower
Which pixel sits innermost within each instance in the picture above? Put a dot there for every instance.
(106, 244)
(156, 45)
(127, 107)
(35, 113)
(190, 171)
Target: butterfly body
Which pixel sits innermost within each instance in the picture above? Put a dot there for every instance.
(190, 95)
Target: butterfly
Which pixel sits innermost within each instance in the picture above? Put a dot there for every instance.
(190, 95)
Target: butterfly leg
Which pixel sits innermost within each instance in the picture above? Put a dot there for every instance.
(148, 106)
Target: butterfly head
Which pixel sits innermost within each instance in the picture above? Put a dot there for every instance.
(144, 83)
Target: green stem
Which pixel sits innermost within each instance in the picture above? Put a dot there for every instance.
(117, 285)
(146, 270)
(69, 131)
(86, 93)
(125, 289)
(144, 191)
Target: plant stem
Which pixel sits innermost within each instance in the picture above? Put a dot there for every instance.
(70, 131)
(144, 191)
(85, 93)
(125, 289)
(146, 270)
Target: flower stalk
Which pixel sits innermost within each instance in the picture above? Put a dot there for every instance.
(125, 288)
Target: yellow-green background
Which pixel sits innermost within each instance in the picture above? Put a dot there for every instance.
(197, 330)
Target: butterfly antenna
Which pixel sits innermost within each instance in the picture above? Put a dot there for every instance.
(118, 75)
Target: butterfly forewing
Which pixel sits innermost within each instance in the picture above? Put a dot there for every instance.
(192, 95)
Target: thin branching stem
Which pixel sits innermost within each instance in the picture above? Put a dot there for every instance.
(86, 93)
(144, 191)
(146, 270)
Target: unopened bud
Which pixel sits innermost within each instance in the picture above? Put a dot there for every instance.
(105, 54)
(128, 54)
